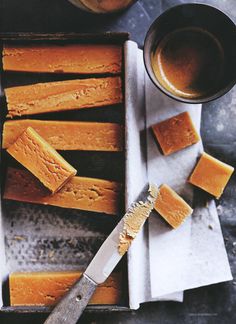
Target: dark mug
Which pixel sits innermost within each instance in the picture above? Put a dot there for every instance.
(190, 53)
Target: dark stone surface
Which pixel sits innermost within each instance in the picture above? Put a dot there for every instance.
(214, 304)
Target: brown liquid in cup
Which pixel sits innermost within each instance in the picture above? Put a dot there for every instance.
(189, 62)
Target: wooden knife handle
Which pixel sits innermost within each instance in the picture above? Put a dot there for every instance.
(71, 306)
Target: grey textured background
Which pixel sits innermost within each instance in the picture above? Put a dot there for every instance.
(214, 304)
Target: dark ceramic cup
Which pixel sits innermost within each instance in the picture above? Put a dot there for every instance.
(195, 16)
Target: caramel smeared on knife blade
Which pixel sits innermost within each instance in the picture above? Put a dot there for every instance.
(135, 219)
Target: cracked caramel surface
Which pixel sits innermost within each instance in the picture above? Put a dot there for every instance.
(46, 288)
(63, 95)
(35, 154)
(69, 135)
(80, 192)
(70, 58)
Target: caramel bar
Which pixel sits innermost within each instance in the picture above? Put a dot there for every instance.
(35, 154)
(171, 206)
(66, 135)
(211, 175)
(71, 58)
(80, 193)
(176, 133)
(105, 6)
(46, 288)
(63, 95)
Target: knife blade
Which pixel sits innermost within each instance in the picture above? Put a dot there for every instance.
(71, 306)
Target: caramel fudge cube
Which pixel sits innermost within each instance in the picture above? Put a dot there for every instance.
(211, 175)
(35, 154)
(175, 133)
(171, 206)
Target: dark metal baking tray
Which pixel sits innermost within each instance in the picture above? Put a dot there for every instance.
(36, 237)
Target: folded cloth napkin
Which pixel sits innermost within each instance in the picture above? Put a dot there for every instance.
(163, 262)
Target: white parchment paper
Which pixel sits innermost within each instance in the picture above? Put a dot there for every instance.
(162, 262)
(194, 254)
(136, 176)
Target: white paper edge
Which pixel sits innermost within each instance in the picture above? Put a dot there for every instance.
(136, 175)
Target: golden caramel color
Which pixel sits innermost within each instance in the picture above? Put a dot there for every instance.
(67, 135)
(35, 154)
(68, 58)
(175, 133)
(171, 206)
(89, 194)
(105, 6)
(63, 96)
(211, 175)
(46, 288)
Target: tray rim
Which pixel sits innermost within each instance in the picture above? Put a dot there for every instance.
(46, 310)
(38, 36)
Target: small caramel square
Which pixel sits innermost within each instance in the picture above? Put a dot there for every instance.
(35, 154)
(175, 133)
(211, 175)
(171, 206)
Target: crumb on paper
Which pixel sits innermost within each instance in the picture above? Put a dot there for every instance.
(19, 238)
(135, 218)
(219, 210)
(51, 254)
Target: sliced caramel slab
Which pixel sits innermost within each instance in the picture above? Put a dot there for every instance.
(35, 154)
(69, 58)
(89, 194)
(63, 96)
(68, 135)
(46, 288)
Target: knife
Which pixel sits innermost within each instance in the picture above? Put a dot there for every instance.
(72, 305)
